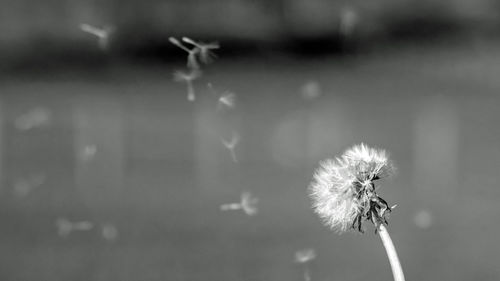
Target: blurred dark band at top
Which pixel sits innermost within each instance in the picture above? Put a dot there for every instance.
(30, 28)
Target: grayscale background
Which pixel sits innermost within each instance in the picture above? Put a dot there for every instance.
(105, 140)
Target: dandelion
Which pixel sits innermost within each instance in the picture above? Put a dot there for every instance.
(192, 61)
(188, 78)
(231, 145)
(248, 203)
(65, 227)
(344, 194)
(205, 49)
(304, 257)
(102, 34)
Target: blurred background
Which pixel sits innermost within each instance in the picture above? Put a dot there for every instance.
(108, 171)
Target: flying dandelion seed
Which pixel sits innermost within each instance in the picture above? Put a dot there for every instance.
(305, 255)
(188, 78)
(66, 227)
(23, 187)
(192, 61)
(227, 99)
(231, 145)
(206, 54)
(310, 90)
(102, 34)
(37, 118)
(248, 203)
(109, 232)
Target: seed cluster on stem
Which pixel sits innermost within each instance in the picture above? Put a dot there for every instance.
(344, 195)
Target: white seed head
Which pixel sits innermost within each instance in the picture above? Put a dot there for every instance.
(342, 188)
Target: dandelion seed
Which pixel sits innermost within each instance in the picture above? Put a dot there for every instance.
(65, 227)
(248, 203)
(188, 78)
(305, 255)
(231, 145)
(39, 117)
(343, 189)
(109, 232)
(102, 34)
(227, 99)
(205, 49)
(192, 61)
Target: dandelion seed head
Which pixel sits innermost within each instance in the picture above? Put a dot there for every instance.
(342, 189)
(368, 163)
(305, 255)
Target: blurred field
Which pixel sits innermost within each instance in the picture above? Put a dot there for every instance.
(127, 148)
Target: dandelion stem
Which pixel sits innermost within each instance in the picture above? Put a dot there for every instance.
(397, 270)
